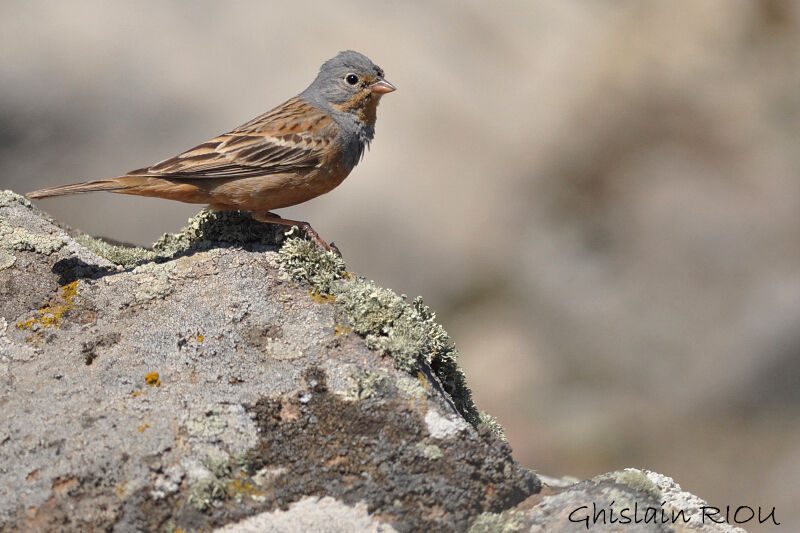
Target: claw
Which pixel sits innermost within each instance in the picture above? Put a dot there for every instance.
(305, 227)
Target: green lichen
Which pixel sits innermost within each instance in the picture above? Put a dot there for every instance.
(413, 388)
(408, 332)
(220, 466)
(492, 423)
(201, 233)
(204, 492)
(366, 384)
(305, 261)
(10, 197)
(636, 480)
(126, 256)
(429, 451)
(228, 480)
(208, 227)
(20, 239)
(507, 522)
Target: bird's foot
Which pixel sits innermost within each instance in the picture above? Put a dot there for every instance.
(305, 227)
(314, 237)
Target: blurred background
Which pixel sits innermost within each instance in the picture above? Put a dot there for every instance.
(601, 200)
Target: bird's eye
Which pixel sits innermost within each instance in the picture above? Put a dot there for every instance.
(352, 79)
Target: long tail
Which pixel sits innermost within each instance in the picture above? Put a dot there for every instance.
(111, 184)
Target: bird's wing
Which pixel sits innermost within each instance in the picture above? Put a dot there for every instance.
(292, 136)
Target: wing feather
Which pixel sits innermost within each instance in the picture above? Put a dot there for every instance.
(289, 137)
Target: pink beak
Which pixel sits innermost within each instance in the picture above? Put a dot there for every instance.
(382, 87)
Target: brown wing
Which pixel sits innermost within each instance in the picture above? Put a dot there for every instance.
(288, 138)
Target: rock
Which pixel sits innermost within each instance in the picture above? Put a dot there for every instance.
(223, 380)
(631, 500)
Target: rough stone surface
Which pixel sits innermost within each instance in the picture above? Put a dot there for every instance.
(632, 500)
(324, 515)
(219, 381)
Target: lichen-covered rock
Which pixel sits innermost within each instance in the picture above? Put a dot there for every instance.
(204, 382)
(219, 381)
(632, 500)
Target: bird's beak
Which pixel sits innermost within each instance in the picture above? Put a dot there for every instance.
(382, 87)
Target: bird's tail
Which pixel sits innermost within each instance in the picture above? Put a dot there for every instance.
(111, 184)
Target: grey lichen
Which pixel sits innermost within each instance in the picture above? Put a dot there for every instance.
(6, 260)
(305, 261)
(507, 522)
(201, 232)
(227, 479)
(408, 332)
(634, 479)
(20, 239)
(10, 197)
(220, 466)
(366, 384)
(492, 423)
(412, 388)
(153, 281)
(204, 492)
(126, 256)
(208, 227)
(388, 323)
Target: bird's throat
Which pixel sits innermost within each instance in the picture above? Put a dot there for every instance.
(364, 106)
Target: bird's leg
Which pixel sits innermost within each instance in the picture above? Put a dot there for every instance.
(305, 227)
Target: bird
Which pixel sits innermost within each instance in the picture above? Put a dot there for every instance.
(298, 150)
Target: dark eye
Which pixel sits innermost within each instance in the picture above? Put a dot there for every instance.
(352, 79)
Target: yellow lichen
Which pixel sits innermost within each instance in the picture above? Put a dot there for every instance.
(320, 297)
(200, 338)
(143, 427)
(342, 330)
(50, 316)
(240, 487)
(152, 379)
(136, 393)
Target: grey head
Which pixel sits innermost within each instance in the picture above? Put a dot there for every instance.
(349, 87)
(341, 78)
